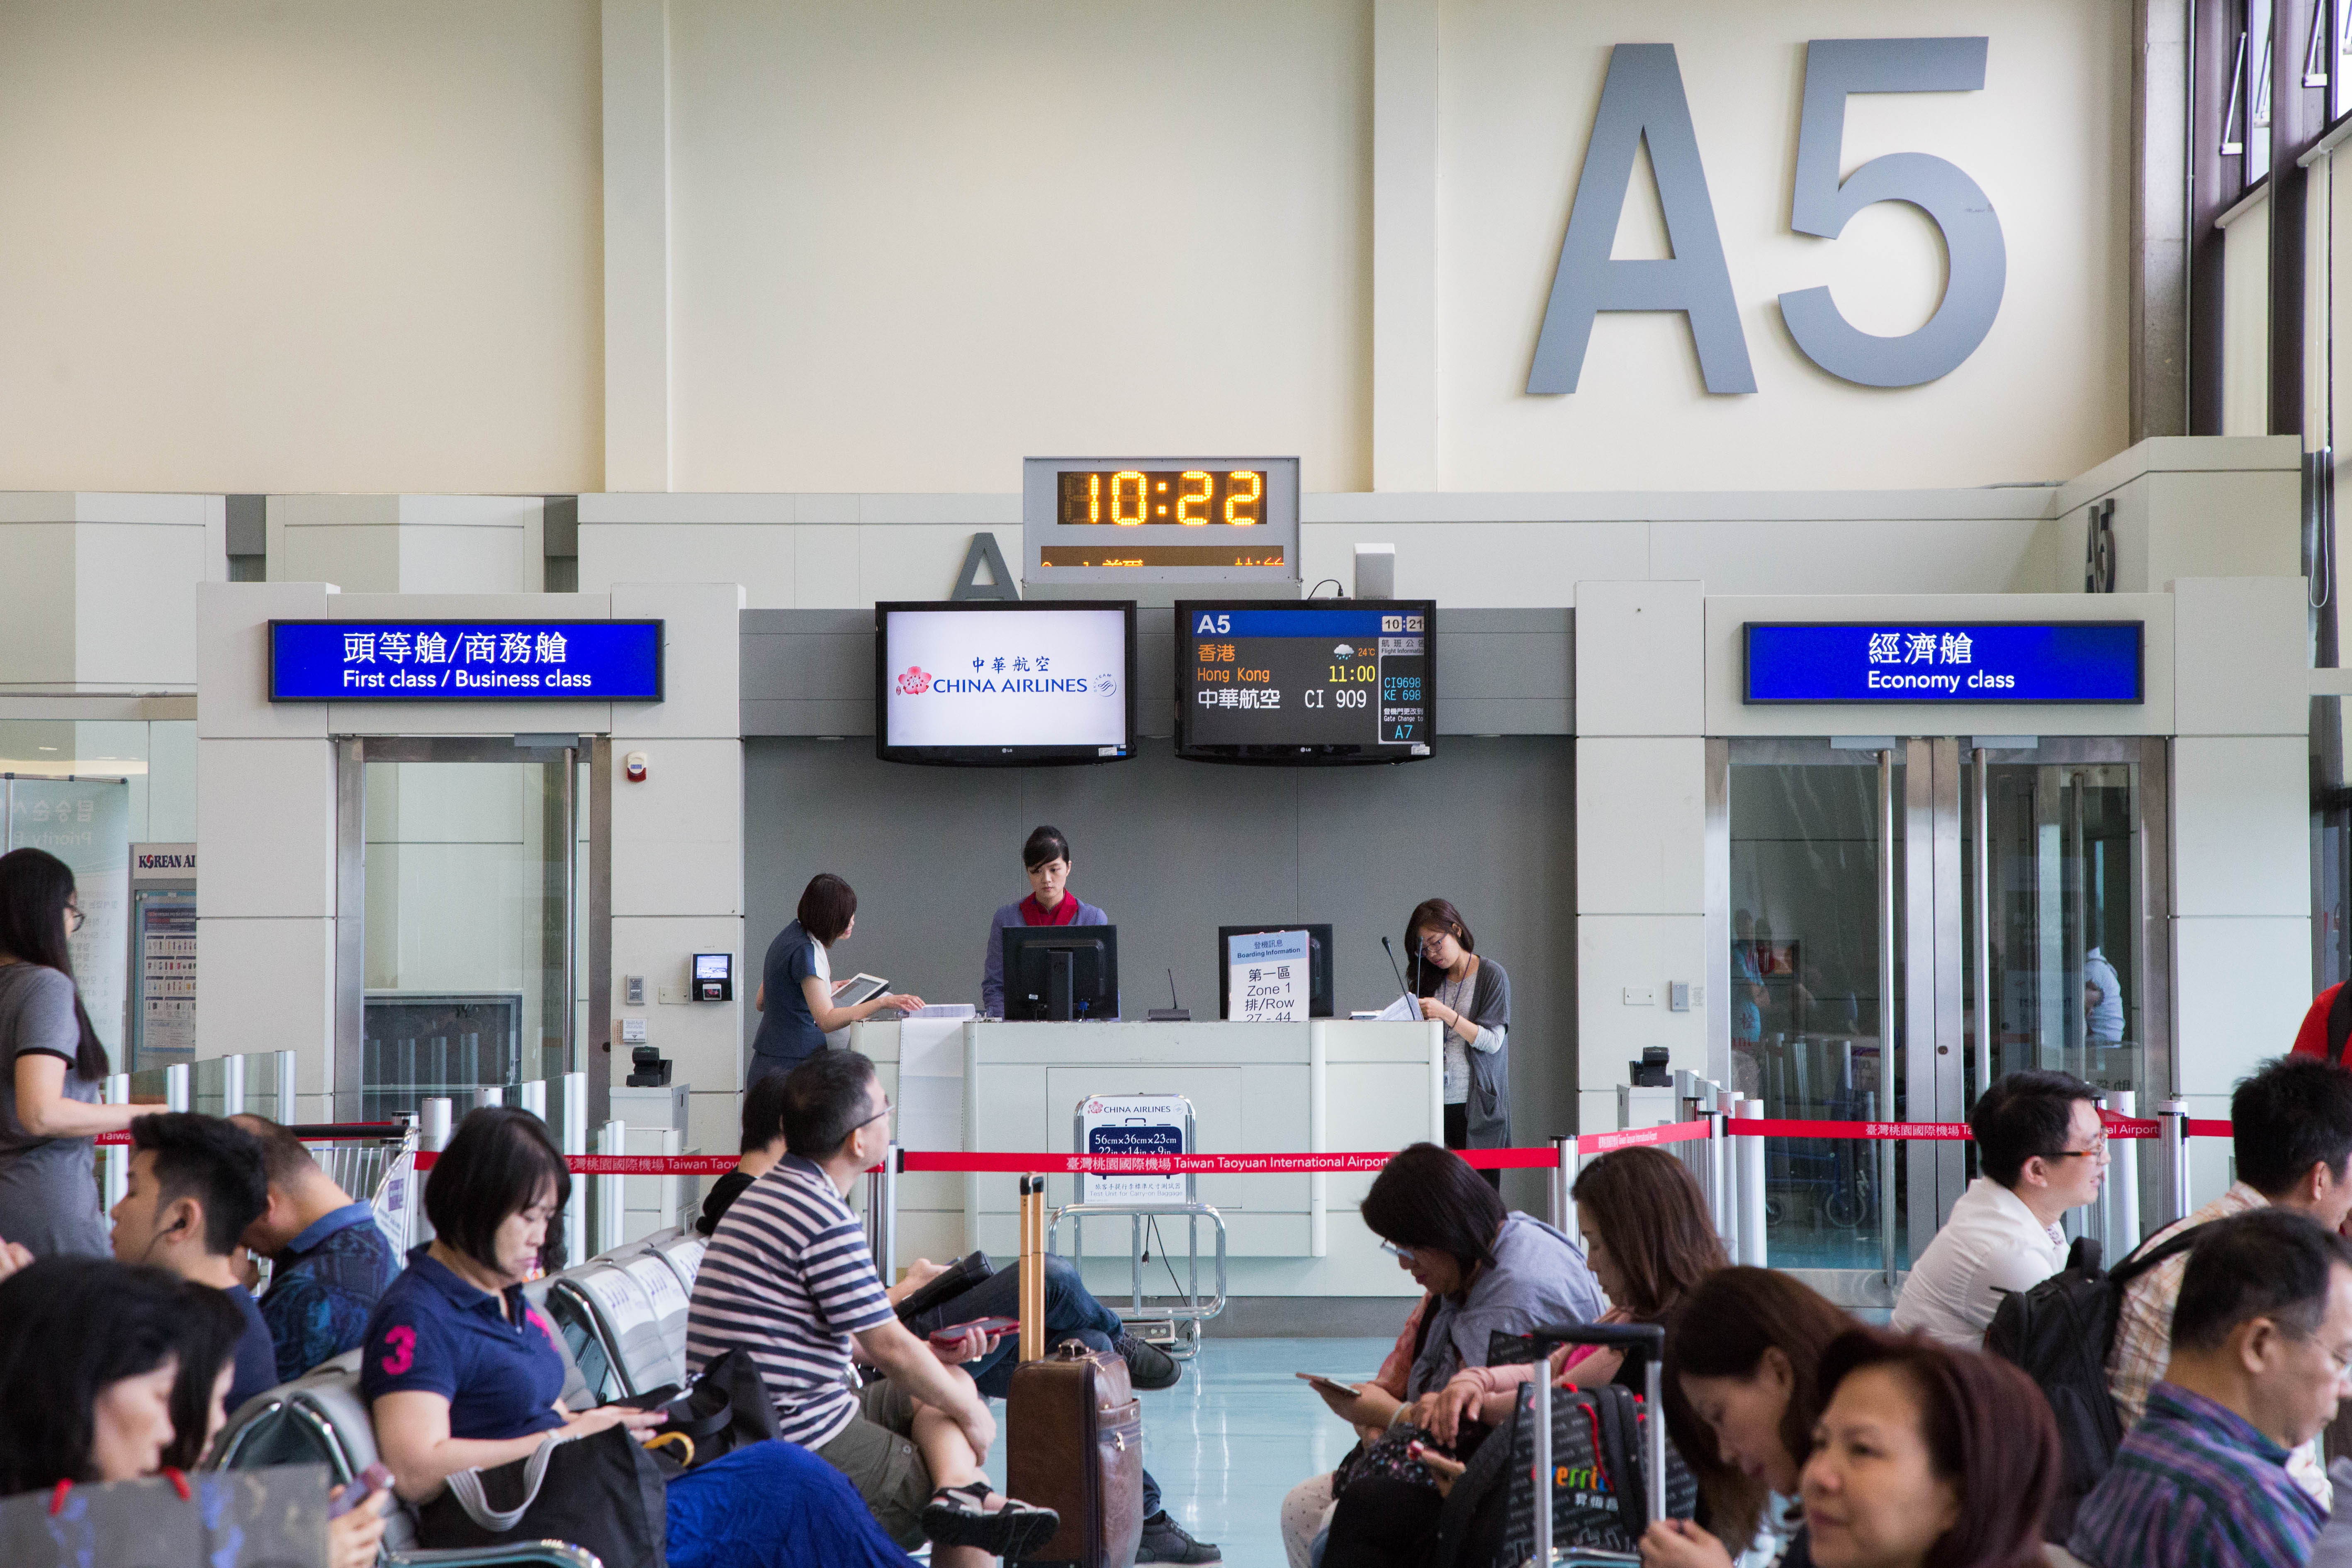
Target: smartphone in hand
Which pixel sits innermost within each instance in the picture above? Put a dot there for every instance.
(1331, 1388)
(366, 1484)
(951, 1333)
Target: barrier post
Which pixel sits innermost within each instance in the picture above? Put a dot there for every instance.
(1750, 1154)
(2122, 1183)
(179, 1086)
(532, 1097)
(615, 1140)
(1543, 1476)
(285, 1111)
(435, 1125)
(1693, 1102)
(2172, 1116)
(574, 1135)
(489, 1094)
(1723, 1172)
(113, 1158)
(1558, 1180)
(232, 1085)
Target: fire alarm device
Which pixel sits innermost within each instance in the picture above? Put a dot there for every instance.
(634, 765)
(714, 977)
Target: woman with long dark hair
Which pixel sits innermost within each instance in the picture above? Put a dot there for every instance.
(1471, 995)
(111, 1371)
(1743, 1392)
(54, 1066)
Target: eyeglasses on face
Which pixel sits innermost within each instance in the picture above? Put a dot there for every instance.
(73, 919)
(1401, 1254)
(1431, 941)
(2097, 1151)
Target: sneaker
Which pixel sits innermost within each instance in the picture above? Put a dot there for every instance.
(1165, 1540)
(955, 1518)
(1148, 1368)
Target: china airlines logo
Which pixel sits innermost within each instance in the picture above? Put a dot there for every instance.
(402, 1342)
(915, 682)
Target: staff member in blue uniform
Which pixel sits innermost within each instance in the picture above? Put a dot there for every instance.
(797, 978)
(1470, 995)
(1050, 903)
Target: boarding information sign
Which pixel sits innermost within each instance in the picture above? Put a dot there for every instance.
(1267, 977)
(1944, 661)
(465, 661)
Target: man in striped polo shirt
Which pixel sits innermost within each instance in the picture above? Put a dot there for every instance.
(2261, 1339)
(788, 1279)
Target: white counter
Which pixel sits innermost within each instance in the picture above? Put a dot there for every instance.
(1330, 1085)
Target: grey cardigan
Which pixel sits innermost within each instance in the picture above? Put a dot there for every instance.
(1488, 1110)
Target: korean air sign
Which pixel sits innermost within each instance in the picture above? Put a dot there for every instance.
(1980, 661)
(465, 661)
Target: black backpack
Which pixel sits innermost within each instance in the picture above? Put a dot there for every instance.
(2061, 1332)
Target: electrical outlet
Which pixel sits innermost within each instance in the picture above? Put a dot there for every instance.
(1641, 995)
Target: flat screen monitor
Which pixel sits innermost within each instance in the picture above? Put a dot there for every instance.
(1315, 683)
(1319, 966)
(997, 684)
(1061, 973)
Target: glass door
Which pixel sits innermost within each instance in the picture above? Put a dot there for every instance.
(465, 974)
(1854, 872)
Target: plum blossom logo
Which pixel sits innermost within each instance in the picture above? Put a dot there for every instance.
(915, 682)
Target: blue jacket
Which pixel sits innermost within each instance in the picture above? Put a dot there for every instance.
(992, 974)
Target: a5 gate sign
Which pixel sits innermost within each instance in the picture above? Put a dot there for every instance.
(1643, 99)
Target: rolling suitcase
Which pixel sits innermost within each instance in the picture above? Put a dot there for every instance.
(1074, 1430)
(1621, 1432)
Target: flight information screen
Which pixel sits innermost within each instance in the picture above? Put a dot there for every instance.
(1340, 681)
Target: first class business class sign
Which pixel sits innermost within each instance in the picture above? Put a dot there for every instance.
(1944, 661)
(465, 661)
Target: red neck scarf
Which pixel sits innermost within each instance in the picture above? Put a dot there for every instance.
(1062, 914)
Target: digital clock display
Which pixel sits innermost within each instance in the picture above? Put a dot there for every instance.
(1341, 680)
(1138, 498)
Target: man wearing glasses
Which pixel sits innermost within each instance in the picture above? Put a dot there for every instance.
(2039, 1151)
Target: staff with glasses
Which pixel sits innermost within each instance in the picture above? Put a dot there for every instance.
(2041, 1151)
(1471, 995)
(54, 1067)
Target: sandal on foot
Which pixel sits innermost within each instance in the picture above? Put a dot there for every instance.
(955, 1517)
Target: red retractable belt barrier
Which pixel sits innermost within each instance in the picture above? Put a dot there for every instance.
(309, 1131)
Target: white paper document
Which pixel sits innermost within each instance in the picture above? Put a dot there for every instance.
(1404, 1010)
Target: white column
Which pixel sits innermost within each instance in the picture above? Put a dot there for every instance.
(636, 245)
(1405, 244)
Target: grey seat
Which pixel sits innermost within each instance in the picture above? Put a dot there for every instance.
(319, 1418)
(630, 1315)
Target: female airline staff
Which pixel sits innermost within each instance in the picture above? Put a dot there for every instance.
(1472, 998)
(1050, 903)
(798, 977)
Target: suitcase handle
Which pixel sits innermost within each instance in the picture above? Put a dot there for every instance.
(1648, 1337)
(1650, 1341)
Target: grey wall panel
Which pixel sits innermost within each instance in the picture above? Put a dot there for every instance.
(1172, 851)
(1501, 672)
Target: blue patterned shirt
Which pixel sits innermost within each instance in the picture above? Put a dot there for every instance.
(2195, 1486)
(323, 1286)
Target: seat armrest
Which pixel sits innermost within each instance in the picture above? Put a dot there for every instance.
(542, 1554)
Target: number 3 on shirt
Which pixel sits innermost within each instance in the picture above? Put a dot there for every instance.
(402, 1342)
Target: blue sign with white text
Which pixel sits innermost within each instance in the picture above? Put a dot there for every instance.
(466, 661)
(1984, 661)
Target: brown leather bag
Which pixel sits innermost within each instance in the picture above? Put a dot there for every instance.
(1074, 1430)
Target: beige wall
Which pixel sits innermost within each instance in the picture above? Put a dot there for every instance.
(914, 242)
(2043, 397)
(258, 246)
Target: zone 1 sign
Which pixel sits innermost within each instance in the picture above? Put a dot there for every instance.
(1643, 99)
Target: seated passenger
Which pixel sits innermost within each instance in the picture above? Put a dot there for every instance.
(1742, 1393)
(2042, 1150)
(1485, 1271)
(330, 1261)
(1306, 1508)
(2291, 1128)
(461, 1373)
(195, 1184)
(1072, 1312)
(1926, 1454)
(788, 1279)
(2261, 1336)
(111, 1374)
(1648, 1240)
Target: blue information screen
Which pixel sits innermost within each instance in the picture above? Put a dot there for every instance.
(466, 661)
(1986, 661)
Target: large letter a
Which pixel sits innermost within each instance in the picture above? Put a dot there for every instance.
(1642, 99)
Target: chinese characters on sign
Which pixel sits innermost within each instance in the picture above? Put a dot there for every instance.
(313, 661)
(1266, 978)
(1983, 661)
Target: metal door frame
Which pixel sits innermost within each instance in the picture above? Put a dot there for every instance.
(353, 753)
(1938, 943)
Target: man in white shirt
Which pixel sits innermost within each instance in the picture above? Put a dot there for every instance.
(2039, 1151)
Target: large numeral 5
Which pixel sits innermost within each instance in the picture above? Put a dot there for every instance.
(1957, 205)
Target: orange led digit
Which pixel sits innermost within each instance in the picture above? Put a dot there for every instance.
(1118, 494)
(1094, 497)
(1188, 499)
(1235, 499)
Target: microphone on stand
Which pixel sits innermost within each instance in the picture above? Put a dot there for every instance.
(1402, 989)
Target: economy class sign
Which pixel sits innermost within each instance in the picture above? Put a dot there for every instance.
(1944, 662)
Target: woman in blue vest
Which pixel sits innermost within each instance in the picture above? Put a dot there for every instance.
(1050, 903)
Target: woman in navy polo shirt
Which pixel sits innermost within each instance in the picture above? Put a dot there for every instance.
(461, 1372)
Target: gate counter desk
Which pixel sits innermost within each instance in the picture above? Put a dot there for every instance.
(1327, 1085)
